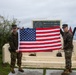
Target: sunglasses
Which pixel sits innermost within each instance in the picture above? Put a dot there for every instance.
(14, 28)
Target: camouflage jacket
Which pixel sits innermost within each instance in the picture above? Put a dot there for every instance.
(67, 39)
(13, 42)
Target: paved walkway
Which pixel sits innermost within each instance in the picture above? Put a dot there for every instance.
(28, 72)
(40, 72)
(57, 72)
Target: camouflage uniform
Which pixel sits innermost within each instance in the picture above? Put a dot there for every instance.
(68, 48)
(13, 42)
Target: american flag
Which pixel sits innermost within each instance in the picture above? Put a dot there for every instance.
(39, 39)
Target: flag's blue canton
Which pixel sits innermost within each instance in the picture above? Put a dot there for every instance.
(28, 34)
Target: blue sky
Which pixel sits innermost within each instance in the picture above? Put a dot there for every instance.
(28, 10)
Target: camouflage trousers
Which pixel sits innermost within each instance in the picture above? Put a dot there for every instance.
(15, 56)
(68, 56)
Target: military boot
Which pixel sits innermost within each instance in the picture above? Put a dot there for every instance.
(20, 69)
(70, 70)
(12, 70)
(66, 72)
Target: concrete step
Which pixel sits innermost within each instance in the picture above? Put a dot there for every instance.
(49, 53)
(46, 53)
(46, 64)
(45, 58)
(53, 53)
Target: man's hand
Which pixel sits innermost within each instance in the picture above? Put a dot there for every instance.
(62, 49)
(17, 51)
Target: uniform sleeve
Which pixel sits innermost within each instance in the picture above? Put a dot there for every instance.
(11, 43)
(61, 32)
(69, 41)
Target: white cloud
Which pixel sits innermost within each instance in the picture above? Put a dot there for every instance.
(27, 10)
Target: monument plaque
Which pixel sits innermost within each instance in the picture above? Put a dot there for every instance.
(46, 23)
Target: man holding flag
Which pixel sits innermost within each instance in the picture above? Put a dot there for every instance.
(68, 48)
(15, 54)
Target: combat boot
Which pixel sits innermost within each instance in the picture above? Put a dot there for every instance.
(70, 70)
(20, 69)
(66, 72)
(12, 70)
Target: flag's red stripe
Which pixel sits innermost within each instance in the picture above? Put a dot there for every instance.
(39, 47)
(47, 50)
(48, 28)
(48, 39)
(48, 35)
(48, 32)
(39, 43)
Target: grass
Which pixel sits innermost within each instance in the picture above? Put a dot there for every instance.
(4, 68)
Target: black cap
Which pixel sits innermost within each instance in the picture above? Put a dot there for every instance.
(14, 26)
(64, 26)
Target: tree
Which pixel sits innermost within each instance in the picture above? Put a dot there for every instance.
(5, 29)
